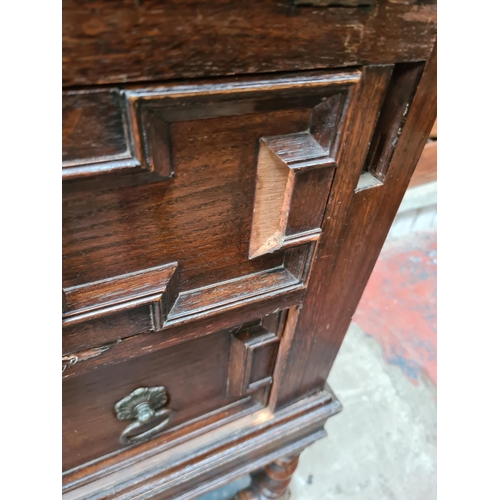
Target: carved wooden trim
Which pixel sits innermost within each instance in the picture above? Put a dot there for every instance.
(141, 158)
(236, 292)
(272, 481)
(96, 136)
(307, 158)
(136, 122)
(244, 377)
(100, 312)
(294, 176)
(155, 287)
(119, 350)
(277, 170)
(340, 263)
(258, 441)
(399, 96)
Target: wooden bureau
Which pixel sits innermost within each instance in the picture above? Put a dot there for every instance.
(230, 172)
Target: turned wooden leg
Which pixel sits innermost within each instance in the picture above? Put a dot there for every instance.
(271, 482)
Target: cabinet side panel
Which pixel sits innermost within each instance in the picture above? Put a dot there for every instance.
(348, 252)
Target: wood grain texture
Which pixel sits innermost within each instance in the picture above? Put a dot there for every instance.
(282, 189)
(97, 141)
(127, 344)
(90, 428)
(241, 447)
(238, 290)
(124, 41)
(296, 345)
(392, 118)
(292, 184)
(390, 123)
(147, 115)
(94, 127)
(343, 262)
(166, 106)
(207, 205)
(156, 287)
(106, 311)
(96, 136)
(272, 481)
(112, 310)
(202, 215)
(251, 361)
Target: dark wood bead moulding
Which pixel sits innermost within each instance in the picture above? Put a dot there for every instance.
(230, 171)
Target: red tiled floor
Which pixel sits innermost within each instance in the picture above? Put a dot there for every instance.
(398, 307)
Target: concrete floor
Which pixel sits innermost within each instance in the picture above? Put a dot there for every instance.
(383, 444)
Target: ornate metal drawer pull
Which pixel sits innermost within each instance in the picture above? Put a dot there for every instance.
(144, 406)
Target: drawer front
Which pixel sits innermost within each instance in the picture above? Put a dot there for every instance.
(196, 199)
(164, 396)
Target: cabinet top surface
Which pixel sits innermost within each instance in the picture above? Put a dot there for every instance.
(140, 41)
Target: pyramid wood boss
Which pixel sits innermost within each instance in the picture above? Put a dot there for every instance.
(229, 172)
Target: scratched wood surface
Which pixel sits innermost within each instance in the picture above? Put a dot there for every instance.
(166, 104)
(90, 428)
(197, 223)
(202, 216)
(122, 41)
(349, 250)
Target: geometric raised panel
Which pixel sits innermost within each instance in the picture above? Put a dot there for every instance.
(392, 117)
(95, 134)
(126, 132)
(294, 175)
(252, 357)
(278, 173)
(146, 296)
(152, 286)
(97, 140)
(210, 144)
(146, 301)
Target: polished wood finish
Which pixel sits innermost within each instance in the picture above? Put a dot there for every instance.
(155, 226)
(95, 134)
(343, 263)
(230, 171)
(294, 175)
(272, 481)
(151, 118)
(180, 469)
(253, 354)
(117, 41)
(91, 431)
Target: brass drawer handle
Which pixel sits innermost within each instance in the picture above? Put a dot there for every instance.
(144, 406)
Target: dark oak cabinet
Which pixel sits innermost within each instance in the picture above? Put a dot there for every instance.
(230, 172)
